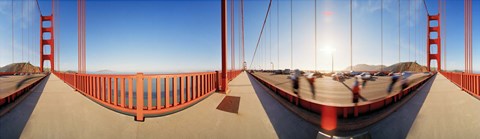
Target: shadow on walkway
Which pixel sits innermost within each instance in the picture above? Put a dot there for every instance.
(286, 124)
(398, 124)
(13, 122)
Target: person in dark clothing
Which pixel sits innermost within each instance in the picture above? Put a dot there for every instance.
(392, 83)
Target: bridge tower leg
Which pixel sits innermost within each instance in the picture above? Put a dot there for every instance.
(434, 41)
(44, 42)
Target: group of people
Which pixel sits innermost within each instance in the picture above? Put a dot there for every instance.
(356, 88)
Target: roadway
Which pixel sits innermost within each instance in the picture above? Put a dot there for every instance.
(9, 84)
(338, 93)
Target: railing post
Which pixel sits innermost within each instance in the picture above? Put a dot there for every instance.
(329, 117)
(217, 78)
(75, 81)
(461, 81)
(139, 117)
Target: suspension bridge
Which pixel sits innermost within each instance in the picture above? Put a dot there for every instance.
(240, 100)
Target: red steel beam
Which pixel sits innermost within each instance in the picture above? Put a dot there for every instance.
(224, 86)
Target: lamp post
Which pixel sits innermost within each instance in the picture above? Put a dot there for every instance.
(332, 60)
(330, 50)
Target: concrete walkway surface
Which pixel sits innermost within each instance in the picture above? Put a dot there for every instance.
(55, 110)
(448, 112)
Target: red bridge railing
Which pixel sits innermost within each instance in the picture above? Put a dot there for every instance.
(345, 110)
(160, 94)
(15, 95)
(466, 81)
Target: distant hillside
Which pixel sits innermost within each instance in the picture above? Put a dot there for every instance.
(406, 66)
(105, 72)
(20, 67)
(399, 67)
(365, 67)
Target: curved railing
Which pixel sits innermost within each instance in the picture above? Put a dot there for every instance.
(161, 94)
(344, 110)
(468, 82)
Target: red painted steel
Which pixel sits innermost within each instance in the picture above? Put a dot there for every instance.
(430, 41)
(468, 82)
(224, 86)
(50, 57)
(98, 88)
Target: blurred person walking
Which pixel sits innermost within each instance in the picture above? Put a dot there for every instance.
(311, 81)
(295, 83)
(356, 91)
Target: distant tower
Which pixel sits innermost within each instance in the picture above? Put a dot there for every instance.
(432, 42)
(45, 29)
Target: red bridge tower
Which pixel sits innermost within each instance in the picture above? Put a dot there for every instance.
(434, 42)
(44, 42)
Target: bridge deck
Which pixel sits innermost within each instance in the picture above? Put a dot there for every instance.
(447, 112)
(54, 110)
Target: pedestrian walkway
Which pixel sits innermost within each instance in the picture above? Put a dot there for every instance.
(55, 110)
(447, 113)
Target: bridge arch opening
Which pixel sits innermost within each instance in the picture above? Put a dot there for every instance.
(433, 35)
(47, 36)
(47, 24)
(433, 23)
(433, 49)
(46, 64)
(47, 49)
(433, 64)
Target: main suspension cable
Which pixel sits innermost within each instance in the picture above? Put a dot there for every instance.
(261, 32)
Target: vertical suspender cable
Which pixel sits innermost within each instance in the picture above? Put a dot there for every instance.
(315, 36)
(270, 39)
(58, 34)
(278, 34)
(470, 35)
(21, 26)
(439, 34)
(415, 24)
(232, 33)
(79, 50)
(28, 32)
(243, 34)
(445, 32)
(351, 40)
(409, 29)
(381, 34)
(399, 44)
(84, 38)
(291, 34)
(465, 33)
(13, 34)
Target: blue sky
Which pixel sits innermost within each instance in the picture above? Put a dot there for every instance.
(184, 35)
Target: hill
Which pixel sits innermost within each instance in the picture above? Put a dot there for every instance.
(365, 67)
(105, 71)
(406, 66)
(20, 67)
